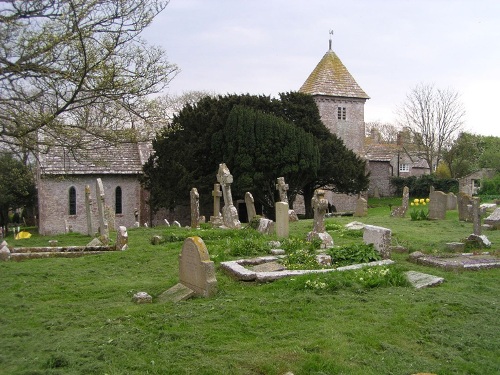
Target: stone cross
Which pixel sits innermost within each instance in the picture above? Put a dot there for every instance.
(88, 210)
(103, 225)
(229, 212)
(320, 206)
(249, 201)
(282, 188)
(195, 208)
(216, 193)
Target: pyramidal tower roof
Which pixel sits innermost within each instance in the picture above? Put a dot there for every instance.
(331, 78)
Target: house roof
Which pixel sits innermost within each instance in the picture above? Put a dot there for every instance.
(331, 78)
(102, 158)
(381, 152)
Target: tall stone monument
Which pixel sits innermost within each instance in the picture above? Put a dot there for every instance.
(216, 219)
(195, 208)
(250, 204)
(88, 210)
(103, 224)
(229, 212)
(400, 211)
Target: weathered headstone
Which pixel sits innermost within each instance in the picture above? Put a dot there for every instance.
(88, 210)
(195, 208)
(320, 207)
(464, 202)
(451, 203)
(249, 201)
(166, 222)
(110, 217)
(216, 219)
(361, 207)
(176, 224)
(265, 226)
(437, 205)
(4, 251)
(103, 225)
(400, 211)
(142, 297)
(282, 189)
(282, 220)
(494, 219)
(476, 216)
(196, 272)
(121, 238)
(380, 238)
(229, 212)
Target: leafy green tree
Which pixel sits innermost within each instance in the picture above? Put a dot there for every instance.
(17, 186)
(188, 153)
(463, 157)
(70, 68)
(490, 156)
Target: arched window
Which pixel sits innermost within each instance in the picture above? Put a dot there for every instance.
(118, 200)
(72, 200)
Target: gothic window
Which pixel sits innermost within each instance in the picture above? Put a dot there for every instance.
(341, 113)
(72, 200)
(404, 167)
(118, 200)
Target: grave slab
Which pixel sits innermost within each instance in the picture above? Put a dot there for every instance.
(423, 280)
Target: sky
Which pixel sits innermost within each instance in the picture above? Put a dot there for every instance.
(389, 47)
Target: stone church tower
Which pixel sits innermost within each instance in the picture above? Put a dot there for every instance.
(340, 100)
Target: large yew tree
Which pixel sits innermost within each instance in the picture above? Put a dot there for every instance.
(260, 139)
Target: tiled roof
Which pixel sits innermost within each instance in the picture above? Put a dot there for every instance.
(331, 77)
(381, 152)
(121, 158)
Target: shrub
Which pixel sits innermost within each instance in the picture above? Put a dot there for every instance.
(353, 254)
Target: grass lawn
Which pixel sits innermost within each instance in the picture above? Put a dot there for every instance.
(75, 315)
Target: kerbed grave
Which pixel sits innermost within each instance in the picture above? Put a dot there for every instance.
(464, 261)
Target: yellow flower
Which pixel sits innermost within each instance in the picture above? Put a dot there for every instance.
(422, 200)
(413, 204)
(415, 200)
(427, 200)
(416, 203)
(423, 203)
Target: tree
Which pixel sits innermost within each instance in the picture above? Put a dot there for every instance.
(188, 152)
(17, 186)
(69, 68)
(463, 157)
(383, 132)
(434, 118)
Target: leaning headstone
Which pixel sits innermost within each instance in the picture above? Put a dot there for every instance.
(264, 226)
(464, 202)
(121, 238)
(216, 219)
(195, 208)
(4, 253)
(494, 219)
(451, 203)
(437, 205)
(166, 222)
(249, 201)
(320, 207)
(361, 207)
(88, 210)
(380, 238)
(176, 224)
(400, 211)
(103, 225)
(229, 212)
(196, 272)
(282, 220)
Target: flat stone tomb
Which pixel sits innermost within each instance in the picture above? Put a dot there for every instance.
(247, 270)
(464, 261)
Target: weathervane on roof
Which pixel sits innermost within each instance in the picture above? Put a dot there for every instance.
(331, 34)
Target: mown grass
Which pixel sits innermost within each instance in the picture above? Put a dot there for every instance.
(75, 316)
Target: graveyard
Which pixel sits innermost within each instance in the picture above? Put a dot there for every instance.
(77, 315)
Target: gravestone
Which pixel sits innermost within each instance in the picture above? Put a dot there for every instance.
(4, 251)
(464, 207)
(361, 207)
(109, 213)
(400, 211)
(320, 207)
(451, 203)
(437, 205)
(103, 225)
(166, 222)
(229, 212)
(476, 216)
(88, 210)
(494, 219)
(216, 219)
(196, 273)
(380, 237)
(121, 238)
(176, 224)
(282, 220)
(195, 208)
(249, 201)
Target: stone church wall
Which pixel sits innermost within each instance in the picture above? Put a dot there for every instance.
(53, 200)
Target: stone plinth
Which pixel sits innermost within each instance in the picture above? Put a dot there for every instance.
(282, 221)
